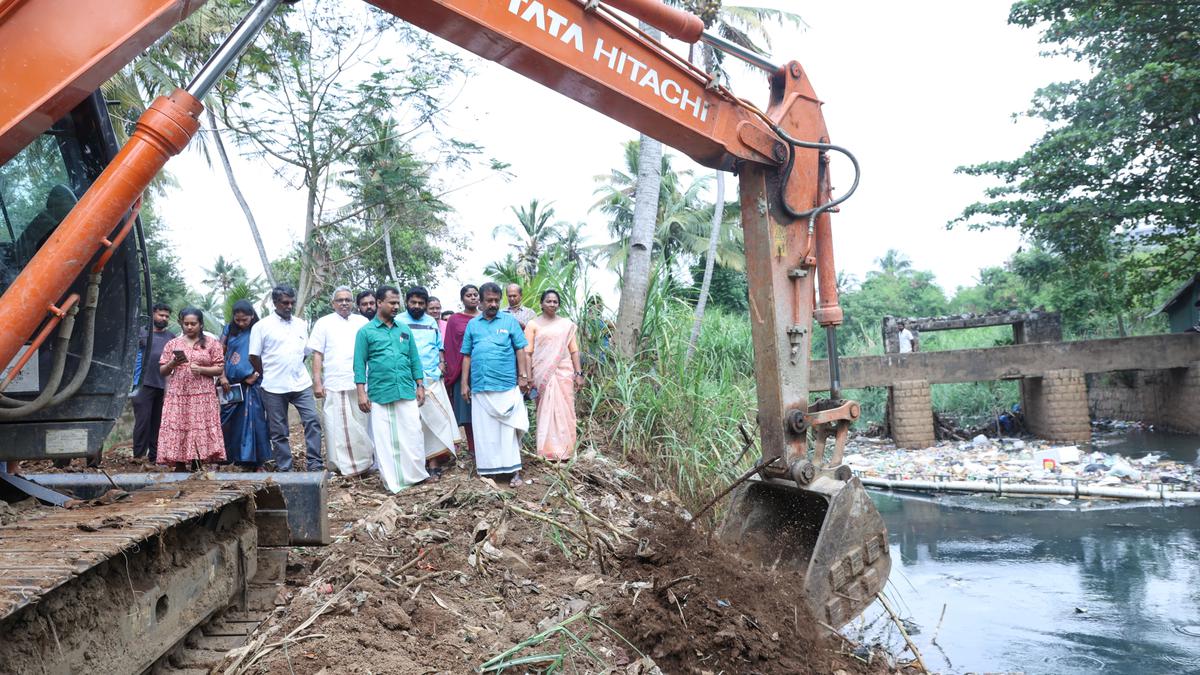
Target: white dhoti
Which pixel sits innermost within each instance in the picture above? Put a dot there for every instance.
(396, 428)
(498, 421)
(347, 439)
(437, 421)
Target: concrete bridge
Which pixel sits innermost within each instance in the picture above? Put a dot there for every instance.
(1053, 381)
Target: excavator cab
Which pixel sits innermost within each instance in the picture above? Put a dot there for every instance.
(90, 371)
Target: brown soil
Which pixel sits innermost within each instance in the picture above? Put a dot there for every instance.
(713, 612)
(447, 576)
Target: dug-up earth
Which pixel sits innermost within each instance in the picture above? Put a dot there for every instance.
(584, 570)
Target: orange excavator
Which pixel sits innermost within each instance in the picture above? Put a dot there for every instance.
(74, 282)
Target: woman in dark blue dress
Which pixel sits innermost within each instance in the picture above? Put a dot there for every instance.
(244, 424)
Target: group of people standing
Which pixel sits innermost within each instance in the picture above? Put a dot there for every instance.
(399, 387)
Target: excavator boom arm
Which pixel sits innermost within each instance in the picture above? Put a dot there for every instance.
(55, 53)
(595, 58)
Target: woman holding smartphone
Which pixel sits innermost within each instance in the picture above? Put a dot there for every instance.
(191, 419)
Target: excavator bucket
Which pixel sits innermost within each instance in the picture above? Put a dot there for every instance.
(828, 533)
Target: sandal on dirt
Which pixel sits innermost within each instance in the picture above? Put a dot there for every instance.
(516, 481)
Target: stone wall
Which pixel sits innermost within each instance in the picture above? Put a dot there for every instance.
(1056, 406)
(1168, 398)
(910, 412)
(1182, 405)
(1136, 395)
(1035, 326)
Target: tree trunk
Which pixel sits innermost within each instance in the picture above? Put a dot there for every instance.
(387, 247)
(714, 233)
(636, 279)
(635, 282)
(241, 200)
(308, 260)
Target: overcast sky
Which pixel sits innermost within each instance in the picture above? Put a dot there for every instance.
(913, 89)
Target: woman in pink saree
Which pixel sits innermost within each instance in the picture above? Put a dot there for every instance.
(554, 352)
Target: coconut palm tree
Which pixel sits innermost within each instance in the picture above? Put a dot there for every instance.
(533, 233)
(682, 220)
(506, 271)
(572, 244)
(224, 275)
(637, 270)
(254, 290)
(892, 264)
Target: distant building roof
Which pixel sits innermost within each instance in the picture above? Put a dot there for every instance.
(1182, 293)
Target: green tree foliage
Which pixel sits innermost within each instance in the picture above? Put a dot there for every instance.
(318, 108)
(505, 271)
(1083, 294)
(532, 234)
(894, 289)
(728, 289)
(394, 228)
(1116, 173)
(223, 275)
(572, 243)
(999, 288)
(166, 280)
(682, 232)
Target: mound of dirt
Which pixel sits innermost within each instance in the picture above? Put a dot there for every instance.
(706, 610)
(581, 570)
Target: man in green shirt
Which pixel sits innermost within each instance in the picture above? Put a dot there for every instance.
(390, 381)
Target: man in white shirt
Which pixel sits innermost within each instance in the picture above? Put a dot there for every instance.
(332, 345)
(277, 349)
(908, 343)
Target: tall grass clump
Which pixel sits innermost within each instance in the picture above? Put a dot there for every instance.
(679, 418)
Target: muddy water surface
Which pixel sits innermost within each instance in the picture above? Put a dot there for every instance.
(1037, 587)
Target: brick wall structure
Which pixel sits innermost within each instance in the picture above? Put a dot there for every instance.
(1168, 398)
(910, 411)
(1056, 406)
(1181, 411)
(1136, 395)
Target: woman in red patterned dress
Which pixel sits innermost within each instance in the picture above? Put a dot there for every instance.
(191, 416)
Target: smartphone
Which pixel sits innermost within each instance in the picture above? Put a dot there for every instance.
(180, 356)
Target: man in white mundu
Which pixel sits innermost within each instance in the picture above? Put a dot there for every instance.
(348, 445)
(438, 425)
(495, 377)
(390, 381)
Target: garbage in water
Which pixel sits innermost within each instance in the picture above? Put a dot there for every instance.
(1020, 461)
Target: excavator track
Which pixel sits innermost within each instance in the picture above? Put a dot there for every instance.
(164, 580)
(207, 646)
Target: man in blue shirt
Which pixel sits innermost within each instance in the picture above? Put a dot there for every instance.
(437, 417)
(495, 378)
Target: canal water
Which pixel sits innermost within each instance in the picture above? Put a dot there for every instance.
(1031, 586)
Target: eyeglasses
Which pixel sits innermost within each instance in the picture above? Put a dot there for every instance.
(344, 300)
